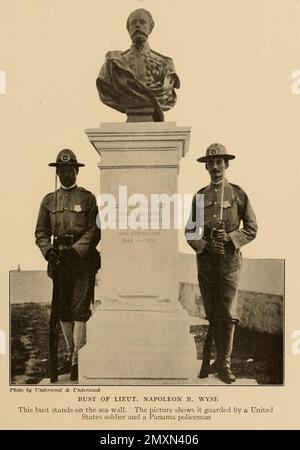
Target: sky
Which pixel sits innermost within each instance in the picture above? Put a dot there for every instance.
(235, 60)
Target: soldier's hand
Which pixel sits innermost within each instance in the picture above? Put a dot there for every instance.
(52, 257)
(70, 253)
(215, 247)
(222, 236)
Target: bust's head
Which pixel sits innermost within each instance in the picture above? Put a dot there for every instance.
(139, 25)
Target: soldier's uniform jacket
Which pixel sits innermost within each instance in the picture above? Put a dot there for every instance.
(218, 275)
(236, 209)
(68, 212)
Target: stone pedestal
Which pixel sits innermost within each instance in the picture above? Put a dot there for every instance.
(140, 333)
(139, 342)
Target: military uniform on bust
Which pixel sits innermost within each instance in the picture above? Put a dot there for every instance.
(139, 81)
(219, 258)
(152, 68)
(67, 235)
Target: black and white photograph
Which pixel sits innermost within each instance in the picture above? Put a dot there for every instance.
(150, 155)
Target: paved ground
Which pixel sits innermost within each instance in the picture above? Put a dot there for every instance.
(257, 357)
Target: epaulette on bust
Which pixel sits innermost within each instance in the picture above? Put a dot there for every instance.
(162, 56)
(114, 54)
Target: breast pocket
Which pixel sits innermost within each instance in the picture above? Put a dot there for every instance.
(56, 215)
(208, 212)
(230, 214)
(78, 216)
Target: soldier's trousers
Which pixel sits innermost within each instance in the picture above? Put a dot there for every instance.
(218, 278)
(75, 289)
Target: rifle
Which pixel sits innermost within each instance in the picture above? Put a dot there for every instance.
(54, 332)
(205, 366)
(54, 322)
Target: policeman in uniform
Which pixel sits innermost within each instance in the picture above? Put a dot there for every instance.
(67, 235)
(218, 251)
(138, 77)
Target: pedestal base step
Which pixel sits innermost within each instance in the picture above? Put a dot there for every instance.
(130, 347)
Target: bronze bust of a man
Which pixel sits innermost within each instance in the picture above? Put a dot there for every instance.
(139, 81)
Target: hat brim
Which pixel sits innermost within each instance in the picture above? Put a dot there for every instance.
(58, 164)
(206, 158)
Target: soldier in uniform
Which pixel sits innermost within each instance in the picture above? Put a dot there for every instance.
(218, 251)
(138, 78)
(67, 235)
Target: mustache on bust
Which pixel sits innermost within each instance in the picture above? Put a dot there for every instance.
(139, 32)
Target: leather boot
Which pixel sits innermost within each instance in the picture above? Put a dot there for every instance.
(226, 334)
(214, 367)
(79, 336)
(74, 372)
(226, 375)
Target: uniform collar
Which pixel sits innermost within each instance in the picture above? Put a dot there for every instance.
(219, 185)
(68, 188)
(143, 50)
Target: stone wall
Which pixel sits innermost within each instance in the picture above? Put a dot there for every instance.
(261, 294)
(257, 310)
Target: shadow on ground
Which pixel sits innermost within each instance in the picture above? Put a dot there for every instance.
(256, 355)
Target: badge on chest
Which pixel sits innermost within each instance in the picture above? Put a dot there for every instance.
(77, 208)
(226, 204)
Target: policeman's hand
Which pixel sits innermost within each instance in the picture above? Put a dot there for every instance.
(52, 257)
(222, 236)
(215, 247)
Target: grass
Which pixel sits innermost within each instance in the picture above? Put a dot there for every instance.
(29, 343)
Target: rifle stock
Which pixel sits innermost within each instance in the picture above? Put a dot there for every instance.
(54, 332)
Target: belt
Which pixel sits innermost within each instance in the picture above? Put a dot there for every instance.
(229, 247)
(66, 240)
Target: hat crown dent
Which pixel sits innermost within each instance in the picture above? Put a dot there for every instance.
(216, 149)
(66, 155)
